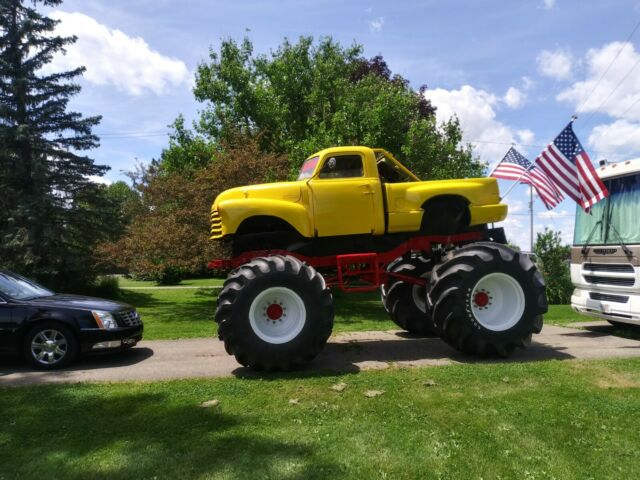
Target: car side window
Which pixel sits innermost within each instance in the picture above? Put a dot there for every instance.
(342, 166)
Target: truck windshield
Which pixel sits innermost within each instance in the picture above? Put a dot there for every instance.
(618, 212)
(308, 168)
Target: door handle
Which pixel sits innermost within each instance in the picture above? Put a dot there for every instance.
(367, 189)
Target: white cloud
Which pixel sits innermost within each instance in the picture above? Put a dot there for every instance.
(616, 141)
(376, 24)
(556, 64)
(99, 179)
(514, 98)
(476, 110)
(527, 83)
(548, 4)
(525, 136)
(114, 58)
(597, 61)
(611, 96)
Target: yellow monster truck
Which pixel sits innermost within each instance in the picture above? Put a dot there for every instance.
(358, 220)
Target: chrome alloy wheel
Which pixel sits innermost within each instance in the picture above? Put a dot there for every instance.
(49, 346)
(277, 315)
(497, 302)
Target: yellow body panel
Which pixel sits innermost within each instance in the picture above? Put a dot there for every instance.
(327, 207)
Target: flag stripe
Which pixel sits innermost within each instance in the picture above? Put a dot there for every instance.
(569, 167)
(558, 177)
(516, 167)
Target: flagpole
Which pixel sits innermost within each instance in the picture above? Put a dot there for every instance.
(574, 117)
(531, 214)
(517, 181)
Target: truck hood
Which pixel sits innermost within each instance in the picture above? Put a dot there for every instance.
(288, 191)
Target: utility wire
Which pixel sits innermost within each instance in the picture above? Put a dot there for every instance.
(586, 122)
(626, 42)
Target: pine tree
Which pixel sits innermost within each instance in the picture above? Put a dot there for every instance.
(51, 214)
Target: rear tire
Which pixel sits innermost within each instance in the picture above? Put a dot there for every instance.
(407, 302)
(487, 299)
(274, 313)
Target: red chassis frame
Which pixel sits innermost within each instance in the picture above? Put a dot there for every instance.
(367, 268)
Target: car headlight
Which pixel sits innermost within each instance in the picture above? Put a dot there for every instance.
(104, 319)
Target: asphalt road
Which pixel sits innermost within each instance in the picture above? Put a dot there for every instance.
(206, 358)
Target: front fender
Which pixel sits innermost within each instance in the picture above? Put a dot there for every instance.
(236, 211)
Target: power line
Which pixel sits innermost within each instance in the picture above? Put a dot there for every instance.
(586, 122)
(524, 145)
(626, 42)
(633, 104)
(543, 215)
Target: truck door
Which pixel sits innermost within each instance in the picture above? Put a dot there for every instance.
(343, 198)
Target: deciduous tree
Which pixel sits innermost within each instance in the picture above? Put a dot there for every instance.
(309, 95)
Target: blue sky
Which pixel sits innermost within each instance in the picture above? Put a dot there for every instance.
(513, 71)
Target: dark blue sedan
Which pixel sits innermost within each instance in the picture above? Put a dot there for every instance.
(50, 330)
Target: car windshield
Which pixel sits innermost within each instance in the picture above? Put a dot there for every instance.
(390, 172)
(19, 288)
(613, 219)
(308, 167)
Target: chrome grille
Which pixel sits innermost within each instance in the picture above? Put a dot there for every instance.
(216, 224)
(605, 251)
(608, 298)
(609, 267)
(616, 281)
(129, 319)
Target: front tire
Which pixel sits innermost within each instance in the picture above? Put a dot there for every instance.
(274, 313)
(407, 302)
(487, 299)
(50, 345)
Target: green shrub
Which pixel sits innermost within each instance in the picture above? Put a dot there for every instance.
(553, 261)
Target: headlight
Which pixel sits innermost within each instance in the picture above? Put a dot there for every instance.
(104, 319)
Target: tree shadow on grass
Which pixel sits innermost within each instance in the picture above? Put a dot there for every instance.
(77, 433)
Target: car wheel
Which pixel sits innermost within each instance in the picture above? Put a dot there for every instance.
(50, 345)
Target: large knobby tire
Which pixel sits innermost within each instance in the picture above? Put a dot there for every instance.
(487, 299)
(407, 302)
(274, 313)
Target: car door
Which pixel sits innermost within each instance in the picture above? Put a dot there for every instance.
(343, 198)
(7, 326)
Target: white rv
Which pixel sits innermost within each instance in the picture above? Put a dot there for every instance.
(605, 257)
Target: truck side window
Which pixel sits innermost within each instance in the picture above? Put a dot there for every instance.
(343, 166)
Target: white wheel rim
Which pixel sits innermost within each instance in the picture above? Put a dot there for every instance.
(497, 301)
(277, 315)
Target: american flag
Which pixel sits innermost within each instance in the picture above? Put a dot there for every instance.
(516, 167)
(568, 165)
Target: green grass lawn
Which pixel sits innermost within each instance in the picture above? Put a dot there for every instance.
(193, 282)
(188, 313)
(552, 419)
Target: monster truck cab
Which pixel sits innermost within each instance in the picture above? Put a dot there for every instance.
(347, 191)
